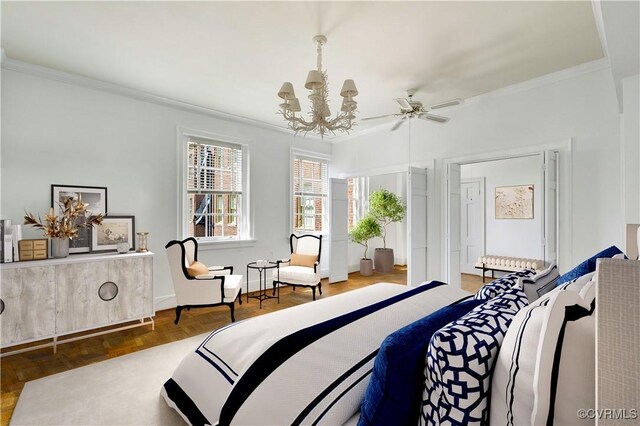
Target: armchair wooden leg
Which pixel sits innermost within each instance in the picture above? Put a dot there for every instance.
(320, 287)
(240, 297)
(232, 306)
(178, 311)
(313, 289)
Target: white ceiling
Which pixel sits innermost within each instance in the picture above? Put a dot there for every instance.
(233, 56)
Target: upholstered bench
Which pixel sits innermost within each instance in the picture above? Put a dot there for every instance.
(507, 264)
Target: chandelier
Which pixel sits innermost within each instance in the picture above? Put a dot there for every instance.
(321, 120)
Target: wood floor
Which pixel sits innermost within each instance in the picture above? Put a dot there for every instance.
(21, 368)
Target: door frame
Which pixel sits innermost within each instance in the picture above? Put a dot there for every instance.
(481, 181)
(564, 230)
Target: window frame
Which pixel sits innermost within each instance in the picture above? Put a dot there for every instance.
(311, 156)
(359, 201)
(245, 217)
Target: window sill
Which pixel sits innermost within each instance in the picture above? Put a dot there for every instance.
(229, 244)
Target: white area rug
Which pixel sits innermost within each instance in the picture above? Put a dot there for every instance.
(119, 391)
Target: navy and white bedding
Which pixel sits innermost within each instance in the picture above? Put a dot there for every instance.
(384, 354)
(309, 364)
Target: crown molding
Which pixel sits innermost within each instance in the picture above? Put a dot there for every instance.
(363, 132)
(75, 79)
(78, 80)
(544, 80)
(596, 7)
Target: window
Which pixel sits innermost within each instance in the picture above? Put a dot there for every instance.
(310, 190)
(215, 190)
(356, 196)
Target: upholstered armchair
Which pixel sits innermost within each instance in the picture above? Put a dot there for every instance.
(303, 266)
(197, 285)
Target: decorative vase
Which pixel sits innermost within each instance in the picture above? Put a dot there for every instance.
(366, 267)
(142, 242)
(122, 247)
(59, 247)
(383, 260)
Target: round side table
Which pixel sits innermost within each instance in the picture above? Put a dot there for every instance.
(262, 288)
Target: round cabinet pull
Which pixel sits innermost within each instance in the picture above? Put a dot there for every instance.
(108, 291)
(1, 306)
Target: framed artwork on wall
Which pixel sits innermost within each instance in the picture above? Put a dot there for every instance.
(95, 199)
(112, 231)
(514, 202)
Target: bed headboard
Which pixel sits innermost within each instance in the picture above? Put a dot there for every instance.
(633, 241)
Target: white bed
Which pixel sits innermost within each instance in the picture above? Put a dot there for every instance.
(306, 364)
(388, 354)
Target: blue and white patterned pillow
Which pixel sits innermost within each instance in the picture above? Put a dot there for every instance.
(502, 284)
(460, 361)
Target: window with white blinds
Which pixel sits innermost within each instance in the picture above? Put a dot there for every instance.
(310, 193)
(215, 189)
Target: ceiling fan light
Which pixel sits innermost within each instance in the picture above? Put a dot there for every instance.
(286, 91)
(349, 89)
(314, 80)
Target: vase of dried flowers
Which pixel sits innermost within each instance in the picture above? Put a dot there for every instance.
(59, 247)
(64, 227)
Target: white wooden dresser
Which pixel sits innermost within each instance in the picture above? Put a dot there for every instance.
(53, 298)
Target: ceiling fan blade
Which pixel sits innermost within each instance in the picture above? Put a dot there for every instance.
(377, 116)
(398, 124)
(404, 104)
(433, 117)
(449, 103)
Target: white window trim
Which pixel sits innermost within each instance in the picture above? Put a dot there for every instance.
(296, 152)
(246, 237)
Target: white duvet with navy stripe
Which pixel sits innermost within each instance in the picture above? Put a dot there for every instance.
(309, 364)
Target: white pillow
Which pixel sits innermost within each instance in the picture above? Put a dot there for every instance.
(545, 370)
(579, 283)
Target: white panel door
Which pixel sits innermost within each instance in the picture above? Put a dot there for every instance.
(550, 238)
(417, 226)
(453, 224)
(339, 237)
(471, 224)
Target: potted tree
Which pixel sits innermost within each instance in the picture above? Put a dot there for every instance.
(386, 207)
(365, 229)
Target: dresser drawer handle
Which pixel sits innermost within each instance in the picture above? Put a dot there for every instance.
(1, 306)
(108, 291)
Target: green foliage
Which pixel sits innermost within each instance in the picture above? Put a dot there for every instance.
(386, 207)
(365, 229)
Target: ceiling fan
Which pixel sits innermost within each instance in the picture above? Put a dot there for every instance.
(410, 108)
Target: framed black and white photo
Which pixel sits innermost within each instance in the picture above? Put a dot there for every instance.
(95, 199)
(112, 231)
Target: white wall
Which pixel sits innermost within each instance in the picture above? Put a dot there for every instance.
(582, 108)
(631, 147)
(59, 133)
(511, 237)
